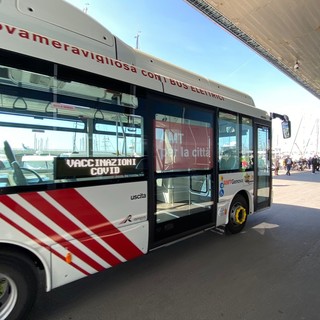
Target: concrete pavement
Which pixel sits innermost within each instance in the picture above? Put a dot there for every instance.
(270, 271)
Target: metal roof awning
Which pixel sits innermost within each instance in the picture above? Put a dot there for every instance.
(286, 33)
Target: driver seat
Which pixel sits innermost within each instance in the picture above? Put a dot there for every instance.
(18, 175)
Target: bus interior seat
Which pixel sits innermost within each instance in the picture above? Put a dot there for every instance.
(231, 163)
(223, 164)
(18, 171)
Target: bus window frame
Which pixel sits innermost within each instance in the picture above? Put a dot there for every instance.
(49, 95)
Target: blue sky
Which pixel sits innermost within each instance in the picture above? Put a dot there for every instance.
(175, 32)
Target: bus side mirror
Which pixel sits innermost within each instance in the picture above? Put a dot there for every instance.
(286, 129)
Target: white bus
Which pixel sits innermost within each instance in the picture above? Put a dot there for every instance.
(108, 153)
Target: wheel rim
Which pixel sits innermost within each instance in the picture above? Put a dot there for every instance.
(238, 215)
(8, 295)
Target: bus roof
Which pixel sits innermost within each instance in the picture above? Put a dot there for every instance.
(44, 29)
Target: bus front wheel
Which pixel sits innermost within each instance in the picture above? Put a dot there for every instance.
(18, 287)
(237, 215)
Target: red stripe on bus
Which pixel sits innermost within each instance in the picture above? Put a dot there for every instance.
(26, 215)
(96, 222)
(38, 241)
(69, 227)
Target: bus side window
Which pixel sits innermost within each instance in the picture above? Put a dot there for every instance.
(229, 141)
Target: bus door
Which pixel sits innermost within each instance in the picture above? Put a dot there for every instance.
(182, 170)
(263, 166)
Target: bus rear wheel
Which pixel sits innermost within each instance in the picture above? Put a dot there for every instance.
(18, 287)
(238, 214)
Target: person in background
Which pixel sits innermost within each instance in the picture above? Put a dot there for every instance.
(276, 166)
(288, 164)
(314, 163)
(309, 163)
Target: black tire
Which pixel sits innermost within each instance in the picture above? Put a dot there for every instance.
(18, 287)
(238, 214)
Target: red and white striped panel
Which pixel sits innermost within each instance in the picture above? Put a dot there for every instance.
(100, 226)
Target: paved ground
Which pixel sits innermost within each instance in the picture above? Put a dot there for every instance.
(268, 272)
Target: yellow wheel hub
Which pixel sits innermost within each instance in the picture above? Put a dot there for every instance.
(240, 215)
